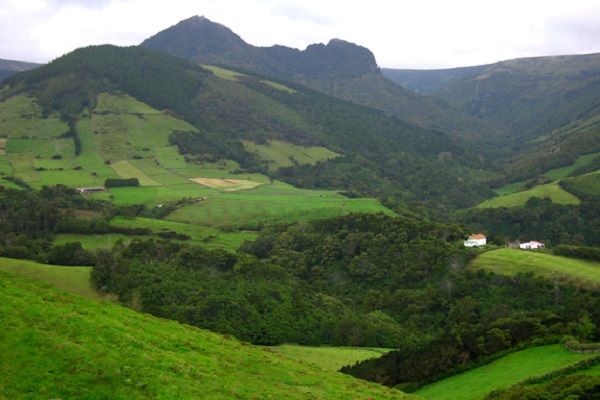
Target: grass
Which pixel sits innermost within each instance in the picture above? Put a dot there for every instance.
(511, 262)
(277, 154)
(70, 279)
(207, 237)
(274, 203)
(223, 73)
(279, 86)
(502, 373)
(125, 170)
(587, 184)
(94, 242)
(328, 358)
(551, 190)
(204, 235)
(56, 345)
(510, 188)
(561, 173)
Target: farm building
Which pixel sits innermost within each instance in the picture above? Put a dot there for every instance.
(533, 245)
(83, 190)
(476, 240)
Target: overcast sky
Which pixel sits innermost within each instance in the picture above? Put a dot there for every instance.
(403, 34)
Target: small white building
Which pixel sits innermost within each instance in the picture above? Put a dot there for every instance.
(533, 245)
(476, 240)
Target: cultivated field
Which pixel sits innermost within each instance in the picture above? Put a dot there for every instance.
(551, 190)
(62, 346)
(328, 358)
(502, 373)
(228, 185)
(512, 262)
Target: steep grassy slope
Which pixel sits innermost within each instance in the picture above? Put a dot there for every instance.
(502, 373)
(70, 279)
(56, 345)
(512, 262)
(210, 118)
(339, 68)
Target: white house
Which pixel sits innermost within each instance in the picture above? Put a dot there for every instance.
(533, 245)
(476, 240)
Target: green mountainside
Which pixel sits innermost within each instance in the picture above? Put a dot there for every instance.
(550, 105)
(339, 68)
(211, 118)
(61, 346)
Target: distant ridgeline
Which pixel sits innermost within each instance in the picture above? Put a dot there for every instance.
(549, 106)
(398, 160)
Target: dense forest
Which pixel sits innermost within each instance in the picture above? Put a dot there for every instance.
(359, 280)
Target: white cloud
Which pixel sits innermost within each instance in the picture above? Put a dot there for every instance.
(425, 33)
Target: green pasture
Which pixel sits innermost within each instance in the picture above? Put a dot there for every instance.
(511, 262)
(277, 154)
(328, 358)
(204, 235)
(273, 203)
(510, 188)
(561, 173)
(501, 374)
(70, 279)
(551, 190)
(59, 346)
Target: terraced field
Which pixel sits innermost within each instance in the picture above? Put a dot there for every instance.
(501, 374)
(512, 262)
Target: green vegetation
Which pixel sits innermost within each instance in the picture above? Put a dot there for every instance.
(550, 190)
(199, 234)
(130, 106)
(540, 220)
(584, 186)
(548, 266)
(276, 154)
(122, 354)
(511, 188)
(127, 171)
(223, 73)
(502, 373)
(70, 279)
(271, 203)
(328, 358)
(564, 172)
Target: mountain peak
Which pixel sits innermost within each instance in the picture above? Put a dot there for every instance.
(200, 40)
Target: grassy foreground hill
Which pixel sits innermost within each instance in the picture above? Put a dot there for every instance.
(56, 345)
